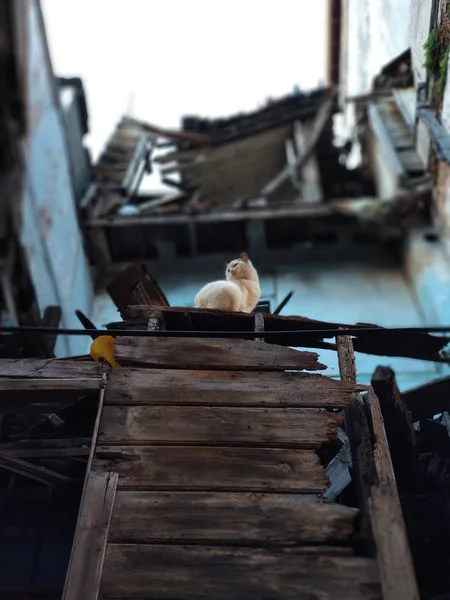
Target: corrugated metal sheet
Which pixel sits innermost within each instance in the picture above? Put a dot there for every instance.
(50, 235)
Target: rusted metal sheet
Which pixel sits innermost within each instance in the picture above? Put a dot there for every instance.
(50, 232)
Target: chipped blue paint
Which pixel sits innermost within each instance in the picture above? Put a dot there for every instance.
(50, 232)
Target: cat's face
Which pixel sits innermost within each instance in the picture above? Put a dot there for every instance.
(241, 268)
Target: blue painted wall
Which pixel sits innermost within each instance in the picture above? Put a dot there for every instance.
(50, 232)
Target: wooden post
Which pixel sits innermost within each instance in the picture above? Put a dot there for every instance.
(380, 504)
(399, 427)
(358, 432)
(259, 325)
(395, 562)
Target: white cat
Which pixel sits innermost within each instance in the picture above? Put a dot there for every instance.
(240, 291)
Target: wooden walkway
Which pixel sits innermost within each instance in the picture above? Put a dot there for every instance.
(206, 483)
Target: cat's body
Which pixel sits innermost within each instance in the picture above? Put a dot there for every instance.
(239, 292)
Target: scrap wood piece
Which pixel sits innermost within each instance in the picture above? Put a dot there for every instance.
(89, 545)
(212, 354)
(321, 119)
(399, 428)
(428, 400)
(31, 471)
(136, 286)
(168, 571)
(394, 557)
(284, 427)
(228, 518)
(214, 468)
(179, 387)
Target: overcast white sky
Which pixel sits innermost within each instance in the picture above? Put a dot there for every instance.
(165, 58)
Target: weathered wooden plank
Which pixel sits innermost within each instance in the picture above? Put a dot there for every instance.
(85, 570)
(192, 572)
(224, 518)
(395, 563)
(237, 388)
(206, 468)
(211, 354)
(55, 384)
(49, 368)
(293, 427)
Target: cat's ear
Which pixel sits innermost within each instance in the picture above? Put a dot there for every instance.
(244, 257)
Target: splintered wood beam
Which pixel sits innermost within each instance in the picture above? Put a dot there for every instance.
(31, 471)
(212, 354)
(395, 562)
(399, 428)
(227, 518)
(89, 547)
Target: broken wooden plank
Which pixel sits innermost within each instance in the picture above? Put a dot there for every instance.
(395, 563)
(212, 354)
(133, 386)
(399, 428)
(190, 572)
(51, 368)
(206, 468)
(224, 518)
(428, 400)
(85, 572)
(285, 427)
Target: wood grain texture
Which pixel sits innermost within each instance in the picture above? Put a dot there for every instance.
(194, 573)
(49, 368)
(395, 563)
(211, 354)
(292, 427)
(226, 388)
(85, 571)
(227, 469)
(224, 518)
